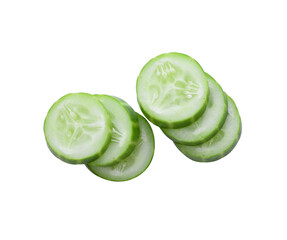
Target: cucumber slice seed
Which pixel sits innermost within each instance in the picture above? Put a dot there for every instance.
(208, 124)
(125, 130)
(222, 143)
(77, 128)
(166, 88)
(136, 163)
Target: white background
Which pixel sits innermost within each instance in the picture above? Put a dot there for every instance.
(51, 48)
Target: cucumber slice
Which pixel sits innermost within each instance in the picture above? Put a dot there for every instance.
(136, 163)
(125, 130)
(167, 87)
(222, 143)
(208, 124)
(77, 128)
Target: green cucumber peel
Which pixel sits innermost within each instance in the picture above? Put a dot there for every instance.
(125, 132)
(222, 143)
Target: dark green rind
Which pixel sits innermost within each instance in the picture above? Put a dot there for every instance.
(179, 124)
(165, 124)
(84, 160)
(210, 135)
(151, 140)
(135, 131)
(218, 156)
(135, 124)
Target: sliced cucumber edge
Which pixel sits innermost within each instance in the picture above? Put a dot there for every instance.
(135, 126)
(135, 131)
(224, 154)
(152, 155)
(212, 133)
(217, 157)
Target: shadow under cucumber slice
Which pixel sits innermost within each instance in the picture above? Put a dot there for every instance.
(125, 132)
(136, 163)
(208, 124)
(222, 143)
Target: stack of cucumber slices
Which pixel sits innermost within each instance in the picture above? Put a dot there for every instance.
(101, 131)
(117, 144)
(189, 106)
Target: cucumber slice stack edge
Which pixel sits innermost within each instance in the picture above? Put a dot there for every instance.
(101, 131)
(189, 106)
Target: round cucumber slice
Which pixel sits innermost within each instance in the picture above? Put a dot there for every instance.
(172, 90)
(222, 143)
(125, 130)
(136, 163)
(77, 128)
(208, 124)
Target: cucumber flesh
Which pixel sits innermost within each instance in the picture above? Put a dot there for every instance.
(136, 163)
(125, 130)
(208, 124)
(222, 143)
(166, 88)
(77, 128)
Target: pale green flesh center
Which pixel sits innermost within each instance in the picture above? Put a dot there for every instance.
(208, 122)
(170, 86)
(76, 126)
